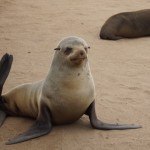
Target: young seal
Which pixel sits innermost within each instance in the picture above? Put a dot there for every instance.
(62, 97)
(127, 25)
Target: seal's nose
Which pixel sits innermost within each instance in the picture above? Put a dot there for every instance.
(81, 53)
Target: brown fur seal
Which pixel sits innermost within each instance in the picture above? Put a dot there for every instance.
(127, 25)
(62, 97)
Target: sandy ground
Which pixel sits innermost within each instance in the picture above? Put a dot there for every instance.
(30, 30)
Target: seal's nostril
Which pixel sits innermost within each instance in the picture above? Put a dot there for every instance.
(81, 53)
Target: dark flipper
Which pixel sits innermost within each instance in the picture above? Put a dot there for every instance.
(41, 127)
(114, 37)
(2, 117)
(97, 124)
(110, 37)
(5, 66)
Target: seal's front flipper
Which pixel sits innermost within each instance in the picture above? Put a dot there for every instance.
(97, 124)
(114, 37)
(109, 36)
(41, 127)
(2, 117)
(5, 66)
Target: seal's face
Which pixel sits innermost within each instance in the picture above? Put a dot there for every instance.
(73, 50)
(75, 55)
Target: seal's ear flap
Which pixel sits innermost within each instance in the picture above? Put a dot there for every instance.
(57, 49)
(86, 48)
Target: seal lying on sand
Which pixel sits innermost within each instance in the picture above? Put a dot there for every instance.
(62, 97)
(127, 25)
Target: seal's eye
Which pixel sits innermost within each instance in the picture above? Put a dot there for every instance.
(68, 50)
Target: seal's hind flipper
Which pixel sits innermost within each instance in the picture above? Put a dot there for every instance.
(2, 117)
(41, 127)
(5, 66)
(97, 124)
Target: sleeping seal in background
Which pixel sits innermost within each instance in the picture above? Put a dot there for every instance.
(127, 25)
(65, 94)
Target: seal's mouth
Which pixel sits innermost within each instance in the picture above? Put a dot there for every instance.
(78, 58)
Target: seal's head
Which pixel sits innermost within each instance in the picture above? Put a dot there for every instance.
(72, 51)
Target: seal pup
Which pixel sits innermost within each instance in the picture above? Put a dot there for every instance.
(67, 93)
(127, 25)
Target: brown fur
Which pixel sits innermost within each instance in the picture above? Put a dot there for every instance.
(127, 25)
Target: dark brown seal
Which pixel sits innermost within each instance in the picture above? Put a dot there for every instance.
(127, 25)
(67, 93)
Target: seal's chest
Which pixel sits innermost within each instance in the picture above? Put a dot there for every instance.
(72, 100)
(70, 109)
(76, 92)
